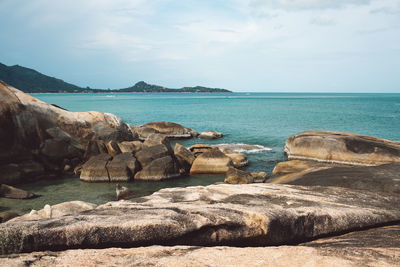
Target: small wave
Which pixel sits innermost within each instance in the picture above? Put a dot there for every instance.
(109, 96)
(244, 148)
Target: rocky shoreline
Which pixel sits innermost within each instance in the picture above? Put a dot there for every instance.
(332, 184)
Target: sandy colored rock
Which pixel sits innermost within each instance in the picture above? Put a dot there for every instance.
(340, 147)
(157, 139)
(184, 156)
(235, 176)
(210, 135)
(58, 210)
(239, 160)
(211, 162)
(148, 154)
(375, 247)
(198, 149)
(383, 178)
(95, 169)
(296, 166)
(171, 129)
(113, 148)
(143, 131)
(159, 169)
(13, 192)
(259, 176)
(130, 146)
(236, 215)
(122, 167)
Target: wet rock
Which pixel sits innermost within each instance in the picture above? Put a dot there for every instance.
(122, 167)
(95, 169)
(211, 162)
(235, 176)
(340, 147)
(13, 192)
(198, 149)
(210, 135)
(7, 215)
(56, 211)
(159, 169)
(171, 129)
(245, 215)
(184, 156)
(148, 154)
(130, 146)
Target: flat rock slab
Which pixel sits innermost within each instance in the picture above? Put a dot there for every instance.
(352, 249)
(240, 215)
(383, 178)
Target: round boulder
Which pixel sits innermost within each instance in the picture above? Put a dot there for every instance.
(235, 176)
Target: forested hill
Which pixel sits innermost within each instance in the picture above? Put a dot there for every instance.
(32, 81)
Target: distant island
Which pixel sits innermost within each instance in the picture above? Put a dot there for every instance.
(32, 81)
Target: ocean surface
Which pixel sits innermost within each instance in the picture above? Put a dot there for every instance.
(264, 119)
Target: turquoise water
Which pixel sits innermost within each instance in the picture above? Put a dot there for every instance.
(266, 119)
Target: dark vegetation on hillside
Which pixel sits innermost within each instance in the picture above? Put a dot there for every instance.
(32, 81)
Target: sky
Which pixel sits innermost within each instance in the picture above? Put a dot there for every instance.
(241, 45)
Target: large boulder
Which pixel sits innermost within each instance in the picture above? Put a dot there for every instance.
(211, 162)
(210, 135)
(13, 192)
(31, 129)
(184, 157)
(171, 129)
(235, 176)
(122, 167)
(340, 147)
(159, 169)
(223, 214)
(130, 146)
(148, 154)
(198, 149)
(95, 169)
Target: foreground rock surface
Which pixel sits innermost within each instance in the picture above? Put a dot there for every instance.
(384, 178)
(340, 147)
(244, 215)
(374, 247)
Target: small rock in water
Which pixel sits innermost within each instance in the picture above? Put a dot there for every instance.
(123, 192)
(210, 135)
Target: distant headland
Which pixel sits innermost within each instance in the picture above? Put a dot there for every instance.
(31, 81)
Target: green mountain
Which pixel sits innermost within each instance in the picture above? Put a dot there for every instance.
(32, 81)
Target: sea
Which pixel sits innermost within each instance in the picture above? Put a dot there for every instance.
(262, 119)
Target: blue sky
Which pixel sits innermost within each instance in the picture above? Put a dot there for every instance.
(246, 45)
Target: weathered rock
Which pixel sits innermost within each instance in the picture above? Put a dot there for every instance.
(295, 166)
(130, 146)
(28, 126)
(235, 176)
(157, 139)
(239, 160)
(143, 131)
(13, 192)
(198, 149)
(210, 135)
(345, 148)
(159, 169)
(245, 215)
(259, 177)
(383, 179)
(171, 129)
(113, 148)
(95, 169)
(6, 216)
(184, 156)
(56, 211)
(211, 162)
(123, 192)
(94, 148)
(122, 167)
(148, 154)
(374, 247)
